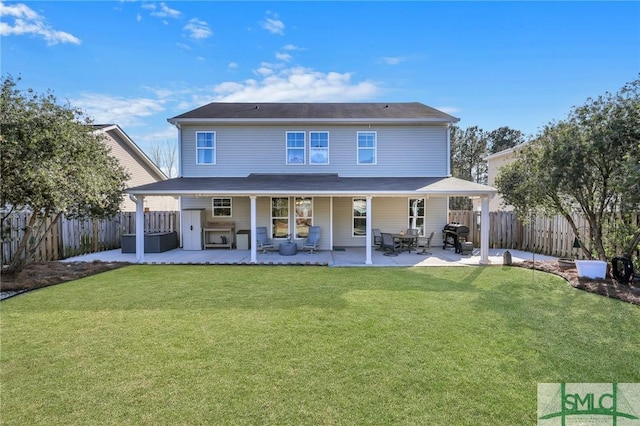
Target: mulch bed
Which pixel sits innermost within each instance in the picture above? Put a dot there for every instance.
(607, 287)
(43, 274)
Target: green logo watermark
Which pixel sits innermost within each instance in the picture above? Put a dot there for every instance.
(616, 404)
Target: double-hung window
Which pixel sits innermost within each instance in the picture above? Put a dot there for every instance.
(359, 217)
(280, 217)
(367, 143)
(416, 214)
(318, 147)
(205, 147)
(295, 148)
(303, 216)
(221, 207)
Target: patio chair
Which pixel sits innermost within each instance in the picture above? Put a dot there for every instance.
(377, 238)
(412, 242)
(262, 240)
(389, 244)
(312, 241)
(427, 244)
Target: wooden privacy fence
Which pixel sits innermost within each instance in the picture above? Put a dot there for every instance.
(74, 237)
(542, 234)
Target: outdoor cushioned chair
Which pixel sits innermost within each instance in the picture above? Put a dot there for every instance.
(312, 241)
(263, 241)
(427, 244)
(377, 238)
(389, 244)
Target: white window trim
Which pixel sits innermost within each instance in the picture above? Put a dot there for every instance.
(424, 218)
(213, 206)
(327, 148)
(213, 149)
(288, 217)
(375, 149)
(287, 148)
(295, 227)
(354, 217)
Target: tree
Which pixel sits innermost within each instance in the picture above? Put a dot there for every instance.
(503, 138)
(165, 157)
(468, 148)
(590, 164)
(52, 164)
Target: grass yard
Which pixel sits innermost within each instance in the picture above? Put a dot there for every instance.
(293, 345)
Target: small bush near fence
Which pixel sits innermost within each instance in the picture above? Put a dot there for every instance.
(74, 237)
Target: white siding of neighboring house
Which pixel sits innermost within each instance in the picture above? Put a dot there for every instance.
(494, 163)
(241, 150)
(139, 174)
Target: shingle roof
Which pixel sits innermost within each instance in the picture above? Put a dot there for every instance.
(312, 183)
(330, 111)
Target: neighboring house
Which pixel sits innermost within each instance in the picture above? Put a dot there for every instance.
(494, 163)
(346, 167)
(140, 168)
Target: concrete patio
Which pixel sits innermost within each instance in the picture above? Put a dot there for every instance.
(343, 257)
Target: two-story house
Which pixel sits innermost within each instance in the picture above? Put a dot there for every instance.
(346, 167)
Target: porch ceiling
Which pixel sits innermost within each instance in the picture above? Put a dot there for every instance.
(313, 184)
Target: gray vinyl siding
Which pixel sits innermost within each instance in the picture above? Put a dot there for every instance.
(241, 150)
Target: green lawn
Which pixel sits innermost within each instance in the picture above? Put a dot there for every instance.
(294, 345)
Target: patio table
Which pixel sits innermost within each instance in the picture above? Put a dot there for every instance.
(288, 249)
(406, 241)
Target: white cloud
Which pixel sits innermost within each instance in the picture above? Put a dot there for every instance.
(273, 24)
(162, 11)
(198, 29)
(295, 84)
(393, 60)
(118, 110)
(232, 66)
(25, 21)
(284, 56)
(291, 47)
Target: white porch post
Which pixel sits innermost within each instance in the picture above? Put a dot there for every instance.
(484, 232)
(139, 229)
(254, 244)
(368, 260)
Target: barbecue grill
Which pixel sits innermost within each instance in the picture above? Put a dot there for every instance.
(453, 234)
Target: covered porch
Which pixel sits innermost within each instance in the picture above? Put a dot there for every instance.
(334, 206)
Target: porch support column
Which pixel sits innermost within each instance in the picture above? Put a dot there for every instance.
(484, 232)
(368, 260)
(254, 243)
(139, 229)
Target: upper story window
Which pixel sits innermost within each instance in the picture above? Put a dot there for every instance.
(295, 148)
(367, 144)
(221, 207)
(205, 147)
(318, 147)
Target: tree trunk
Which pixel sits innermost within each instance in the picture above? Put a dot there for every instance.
(19, 261)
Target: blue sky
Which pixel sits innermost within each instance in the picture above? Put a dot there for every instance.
(492, 64)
